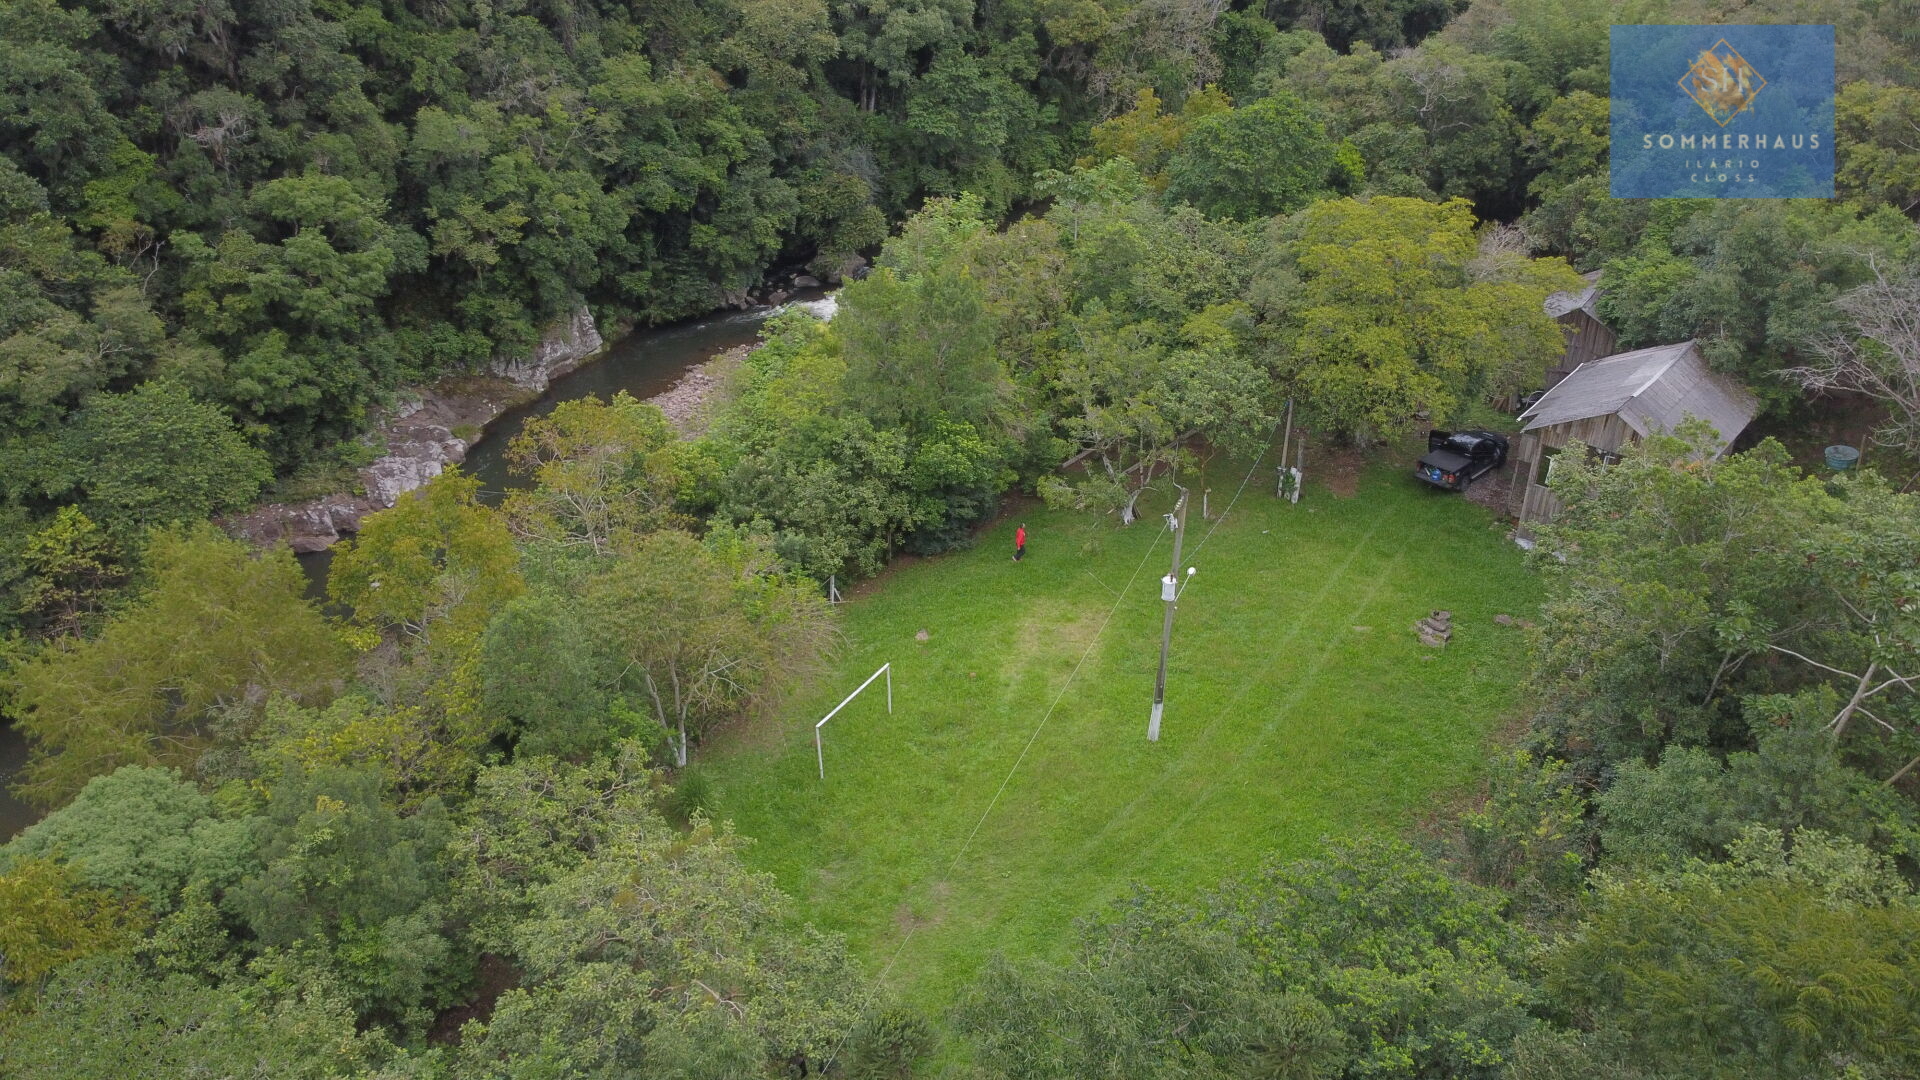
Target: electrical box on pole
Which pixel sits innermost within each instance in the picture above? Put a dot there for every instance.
(1169, 592)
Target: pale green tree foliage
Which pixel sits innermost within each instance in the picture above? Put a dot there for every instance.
(1367, 961)
(349, 892)
(1695, 802)
(335, 856)
(49, 918)
(917, 347)
(1691, 584)
(437, 556)
(919, 343)
(1153, 345)
(1755, 282)
(658, 643)
(895, 426)
(67, 567)
(223, 629)
(153, 456)
(109, 1016)
(1389, 310)
(543, 680)
(529, 822)
(435, 567)
(603, 473)
(1147, 135)
(1785, 961)
(424, 733)
(1530, 838)
(1268, 157)
(1878, 160)
(695, 638)
(141, 831)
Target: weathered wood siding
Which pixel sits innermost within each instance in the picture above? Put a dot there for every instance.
(1526, 455)
(1587, 339)
(1538, 506)
(1604, 433)
(1531, 501)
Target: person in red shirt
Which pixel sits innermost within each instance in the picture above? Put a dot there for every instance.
(1019, 542)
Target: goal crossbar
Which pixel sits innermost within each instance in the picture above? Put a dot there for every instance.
(819, 751)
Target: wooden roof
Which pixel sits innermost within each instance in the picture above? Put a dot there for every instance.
(1651, 390)
(1562, 303)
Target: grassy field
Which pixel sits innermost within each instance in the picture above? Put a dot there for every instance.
(1300, 705)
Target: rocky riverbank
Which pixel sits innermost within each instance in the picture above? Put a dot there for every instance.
(689, 402)
(782, 285)
(421, 440)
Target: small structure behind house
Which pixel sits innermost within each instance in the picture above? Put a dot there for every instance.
(1587, 337)
(1613, 403)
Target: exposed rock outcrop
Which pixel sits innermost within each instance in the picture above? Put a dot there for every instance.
(420, 440)
(563, 349)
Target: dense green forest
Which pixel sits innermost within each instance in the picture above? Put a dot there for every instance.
(437, 830)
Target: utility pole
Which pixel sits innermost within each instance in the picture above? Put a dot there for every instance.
(1286, 438)
(1169, 592)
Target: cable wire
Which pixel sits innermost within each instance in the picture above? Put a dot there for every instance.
(1251, 469)
(1119, 598)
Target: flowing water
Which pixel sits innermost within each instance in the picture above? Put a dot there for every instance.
(14, 814)
(644, 363)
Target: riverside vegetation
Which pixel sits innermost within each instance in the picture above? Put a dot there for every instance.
(476, 818)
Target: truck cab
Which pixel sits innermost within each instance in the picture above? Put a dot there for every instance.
(1455, 459)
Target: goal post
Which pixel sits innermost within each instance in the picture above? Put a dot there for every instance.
(819, 751)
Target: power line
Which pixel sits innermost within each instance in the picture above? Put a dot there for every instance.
(1118, 598)
(1169, 594)
(1257, 459)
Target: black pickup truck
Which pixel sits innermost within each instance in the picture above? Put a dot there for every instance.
(1457, 458)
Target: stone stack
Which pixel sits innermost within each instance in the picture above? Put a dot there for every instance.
(1436, 629)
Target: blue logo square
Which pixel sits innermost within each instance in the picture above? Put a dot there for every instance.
(1722, 112)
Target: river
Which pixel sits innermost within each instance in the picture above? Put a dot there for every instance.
(644, 363)
(14, 814)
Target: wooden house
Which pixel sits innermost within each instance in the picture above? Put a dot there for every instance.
(1587, 338)
(1614, 402)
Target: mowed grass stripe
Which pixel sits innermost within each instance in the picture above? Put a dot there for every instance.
(1197, 760)
(1284, 722)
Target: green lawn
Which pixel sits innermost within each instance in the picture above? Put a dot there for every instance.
(1299, 705)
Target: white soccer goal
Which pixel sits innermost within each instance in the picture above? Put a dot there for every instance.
(818, 750)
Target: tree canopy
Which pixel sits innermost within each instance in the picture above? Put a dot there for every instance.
(458, 823)
(222, 630)
(1392, 312)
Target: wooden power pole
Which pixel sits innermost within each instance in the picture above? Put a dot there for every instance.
(1169, 592)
